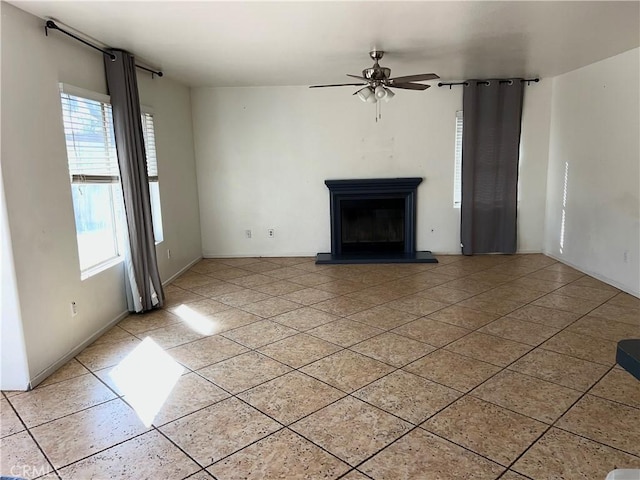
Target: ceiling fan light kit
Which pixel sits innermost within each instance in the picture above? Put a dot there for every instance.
(369, 95)
(377, 82)
(364, 94)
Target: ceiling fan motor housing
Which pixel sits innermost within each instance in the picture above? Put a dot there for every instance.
(376, 73)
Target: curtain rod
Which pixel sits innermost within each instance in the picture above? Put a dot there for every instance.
(52, 25)
(486, 82)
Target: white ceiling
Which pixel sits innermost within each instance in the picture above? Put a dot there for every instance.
(240, 43)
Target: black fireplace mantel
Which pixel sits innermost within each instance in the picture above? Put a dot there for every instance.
(374, 185)
(344, 191)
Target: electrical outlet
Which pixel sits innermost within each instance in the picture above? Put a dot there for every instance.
(247, 233)
(74, 309)
(271, 233)
(625, 256)
(168, 253)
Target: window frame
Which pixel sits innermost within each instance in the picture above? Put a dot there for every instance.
(67, 91)
(117, 210)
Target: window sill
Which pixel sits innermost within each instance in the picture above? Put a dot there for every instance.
(101, 267)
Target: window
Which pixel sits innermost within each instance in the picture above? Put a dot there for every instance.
(95, 176)
(148, 132)
(95, 181)
(457, 172)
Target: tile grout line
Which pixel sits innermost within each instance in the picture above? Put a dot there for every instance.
(594, 440)
(618, 402)
(353, 469)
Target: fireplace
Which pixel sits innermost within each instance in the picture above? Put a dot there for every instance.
(373, 221)
(372, 225)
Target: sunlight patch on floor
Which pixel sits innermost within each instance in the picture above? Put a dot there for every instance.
(146, 378)
(196, 321)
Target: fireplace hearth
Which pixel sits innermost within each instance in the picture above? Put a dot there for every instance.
(374, 221)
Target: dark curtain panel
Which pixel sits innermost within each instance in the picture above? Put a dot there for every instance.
(490, 151)
(145, 290)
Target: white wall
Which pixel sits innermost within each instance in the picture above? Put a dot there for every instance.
(171, 104)
(593, 201)
(263, 155)
(14, 372)
(38, 194)
(534, 152)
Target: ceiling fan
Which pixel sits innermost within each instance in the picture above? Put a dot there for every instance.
(377, 82)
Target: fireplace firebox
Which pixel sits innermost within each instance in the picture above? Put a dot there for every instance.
(373, 221)
(372, 225)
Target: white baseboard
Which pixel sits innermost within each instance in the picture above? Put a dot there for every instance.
(75, 351)
(596, 275)
(260, 255)
(180, 272)
(458, 252)
(312, 255)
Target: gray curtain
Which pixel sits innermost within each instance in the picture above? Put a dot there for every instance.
(490, 151)
(143, 278)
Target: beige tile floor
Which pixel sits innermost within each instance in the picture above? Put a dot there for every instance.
(478, 367)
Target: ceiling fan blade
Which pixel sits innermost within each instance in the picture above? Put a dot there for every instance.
(409, 86)
(421, 77)
(339, 85)
(357, 76)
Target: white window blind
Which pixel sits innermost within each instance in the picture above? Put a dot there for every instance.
(150, 146)
(88, 129)
(95, 179)
(457, 173)
(95, 176)
(148, 132)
